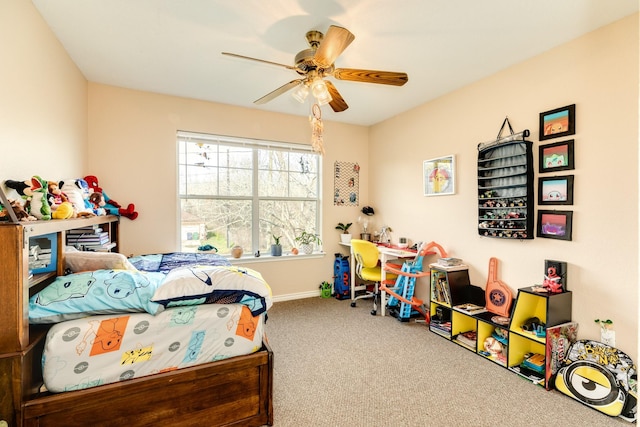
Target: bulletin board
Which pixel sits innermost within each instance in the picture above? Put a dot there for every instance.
(346, 184)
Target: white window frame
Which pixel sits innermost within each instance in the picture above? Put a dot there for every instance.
(194, 137)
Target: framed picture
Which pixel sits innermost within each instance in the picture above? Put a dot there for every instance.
(439, 176)
(555, 224)
(558, 122)
(555, 190)
(556, 157)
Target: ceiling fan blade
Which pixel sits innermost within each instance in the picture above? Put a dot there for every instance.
(337, 103)
(259, 60)
(371, 76)
(332, 45)
(282, 89)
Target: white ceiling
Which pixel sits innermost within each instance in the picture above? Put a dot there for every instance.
(174, 46)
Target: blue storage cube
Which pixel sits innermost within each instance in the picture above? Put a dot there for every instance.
(43, 253)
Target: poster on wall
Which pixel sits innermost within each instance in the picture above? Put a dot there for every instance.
(346, 184)
(439, 176)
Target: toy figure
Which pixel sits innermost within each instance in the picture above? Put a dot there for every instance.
(552, 282)
(97, 201)
(75, 191)
(111, 206)
(55, 195)
(39, 206)
(20, 212)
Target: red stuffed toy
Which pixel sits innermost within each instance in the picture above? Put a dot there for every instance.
(111, 206)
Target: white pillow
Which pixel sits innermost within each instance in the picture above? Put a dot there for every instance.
(78, 261)
(215, 285)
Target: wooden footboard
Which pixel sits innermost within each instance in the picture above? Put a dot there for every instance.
(236, 391)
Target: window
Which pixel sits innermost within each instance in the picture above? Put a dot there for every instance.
(236, 191)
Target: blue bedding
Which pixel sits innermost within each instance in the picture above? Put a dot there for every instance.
(164, 263)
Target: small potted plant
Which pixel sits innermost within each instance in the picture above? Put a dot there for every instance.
(276, 248)
(345, 237)
(307, 240)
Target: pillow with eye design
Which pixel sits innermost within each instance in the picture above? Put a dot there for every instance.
(95, 292)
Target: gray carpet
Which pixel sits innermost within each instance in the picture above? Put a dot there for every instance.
(339, 366)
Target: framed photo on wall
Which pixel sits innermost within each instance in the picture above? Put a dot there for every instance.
(557, 156)
(558, 122)
(555, 190)
(555, 224)
(439, 176)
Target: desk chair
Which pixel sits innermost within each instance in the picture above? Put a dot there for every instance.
(367, 269)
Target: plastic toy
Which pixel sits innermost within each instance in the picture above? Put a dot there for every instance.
(404, 286)
(111, 206)
(552, 282)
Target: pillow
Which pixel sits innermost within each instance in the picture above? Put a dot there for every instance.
(78, 261)
(95, 292)
(215, 284)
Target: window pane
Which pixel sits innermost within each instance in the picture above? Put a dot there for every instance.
(286, 219)
(223, 186)
(235, 182)
(220, 223)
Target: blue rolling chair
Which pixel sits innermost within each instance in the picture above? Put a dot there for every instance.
(367, 269)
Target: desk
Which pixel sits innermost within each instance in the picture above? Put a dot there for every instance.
(384, 254)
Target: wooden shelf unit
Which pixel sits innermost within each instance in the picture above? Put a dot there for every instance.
(553, 310)
(20, 344)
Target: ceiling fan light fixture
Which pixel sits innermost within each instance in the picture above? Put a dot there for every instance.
(320, 92)
(301, 93)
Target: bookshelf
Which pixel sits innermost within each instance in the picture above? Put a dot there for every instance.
(20, 343)
(530, 352)
(528, 342)
(448, 287)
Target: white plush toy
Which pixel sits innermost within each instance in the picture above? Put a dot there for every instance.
(74, 190)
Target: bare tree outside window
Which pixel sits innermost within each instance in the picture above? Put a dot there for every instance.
(242, 192)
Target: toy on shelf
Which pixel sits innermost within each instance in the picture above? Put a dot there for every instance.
(39, 205)
(77, 193)
(111, 206)
(498, 294)
(17, 209)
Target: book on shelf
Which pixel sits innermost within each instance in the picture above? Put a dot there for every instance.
(470, 308)
(101, 238)
(468, 338)
(97, 248)
(91, 229)
(535, 362)
(449, 262)
(559, 339)
(529, 374)
(441, 326)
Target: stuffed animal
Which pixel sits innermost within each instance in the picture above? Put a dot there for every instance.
(97, 201)
(23, 188)
(111, 206)
(39, 206)
(74, 190)
(55, 195)
(20, 212)
(65, 210)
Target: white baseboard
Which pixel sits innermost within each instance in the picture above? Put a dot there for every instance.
(301, 295)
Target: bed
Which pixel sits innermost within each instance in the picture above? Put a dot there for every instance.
(153, 340)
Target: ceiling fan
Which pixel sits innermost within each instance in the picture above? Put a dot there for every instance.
(317, 62)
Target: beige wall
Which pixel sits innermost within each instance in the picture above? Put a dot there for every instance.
(597, 72)
(43, 99)
(133, 147)
(49, 112)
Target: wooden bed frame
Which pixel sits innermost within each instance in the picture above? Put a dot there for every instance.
(231, 392)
